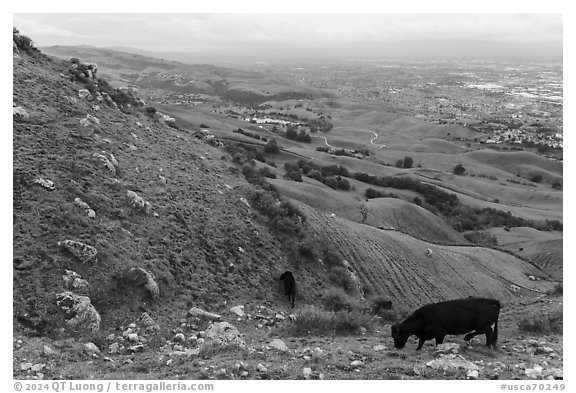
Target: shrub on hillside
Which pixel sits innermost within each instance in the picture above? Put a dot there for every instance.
(282, 214)
(481, 238)
(272, 147)
(332, 258)
(317, 321)
(334, 299)
(557, 184)
(348, 322)
(380, 303)
(150, 111)
(340, 276)
(543, 322)
(459, 169)
(313, 320)
(558, 290)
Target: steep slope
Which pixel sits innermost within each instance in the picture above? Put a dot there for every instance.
(199, 239)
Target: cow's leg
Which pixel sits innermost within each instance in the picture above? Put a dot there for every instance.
(488, 333)
(439, 340)
(420, 343)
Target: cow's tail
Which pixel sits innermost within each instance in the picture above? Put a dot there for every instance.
(495, 334)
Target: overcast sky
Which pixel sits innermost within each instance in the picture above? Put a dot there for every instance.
(208, 32)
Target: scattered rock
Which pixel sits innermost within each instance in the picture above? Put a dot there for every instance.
(260, 367)
(82, 251)
(107, 163)
(137, 202)
(48, 184)
(535, 372)
(74, 281)
(149, 325)
(144, 278)
(447, 348)
(238, 310)
(83, 93)
(89, 70)
(19, 112)
(357, 363)
(307, 372)
(279, 345)
(89, 120)
(196, 312)
(79, 310)
(47, 351)
(555, 373)
(379, 348)
(223, 333)
(245, 201)
(133, 337)
(26, 366)
(78, 202)
(113, 348)
(179, 337)
(543, 350)
(472, 374)
(451, 362)
(137, 348)
(91, 347)
(37, 367)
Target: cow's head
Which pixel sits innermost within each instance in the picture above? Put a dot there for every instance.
(400, 337)
(282, 276)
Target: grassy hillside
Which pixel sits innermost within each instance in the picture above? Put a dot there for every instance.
(195, 214)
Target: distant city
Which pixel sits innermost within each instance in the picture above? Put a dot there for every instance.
(506, 101)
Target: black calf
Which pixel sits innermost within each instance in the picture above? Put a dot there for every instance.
(289, 285)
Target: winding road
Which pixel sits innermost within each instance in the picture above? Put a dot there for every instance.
(371, 140)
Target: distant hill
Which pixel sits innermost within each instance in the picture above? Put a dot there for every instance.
(153, 73)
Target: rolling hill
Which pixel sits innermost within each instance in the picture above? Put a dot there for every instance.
(171, 219)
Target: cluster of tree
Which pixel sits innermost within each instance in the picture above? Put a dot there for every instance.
(406, 162)
(242, 154)
(466, 218)
(272, 147)
(344, 152)
(371, 193)
(462, 218)
(320, 124)
(295, 135)
(293, 172)
(440, 200)
(250, 134)
(333, 176)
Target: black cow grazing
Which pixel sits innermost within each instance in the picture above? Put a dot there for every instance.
(289, 285)
(473, 316)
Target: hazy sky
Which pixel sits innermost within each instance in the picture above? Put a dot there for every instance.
(201, 32)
